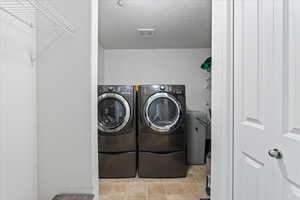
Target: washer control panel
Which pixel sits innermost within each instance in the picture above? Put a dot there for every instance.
(115, 89)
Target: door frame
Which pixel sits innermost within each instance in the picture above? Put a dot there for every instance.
(94, 17)
(222, 99)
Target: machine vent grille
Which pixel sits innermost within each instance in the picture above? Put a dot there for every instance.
(146, 33)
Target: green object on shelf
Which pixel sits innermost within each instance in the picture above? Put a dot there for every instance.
(207, 64)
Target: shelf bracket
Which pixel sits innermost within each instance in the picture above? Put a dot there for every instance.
(25, 11)
(41, 52)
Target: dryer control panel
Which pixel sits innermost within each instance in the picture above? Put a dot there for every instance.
(172, 89)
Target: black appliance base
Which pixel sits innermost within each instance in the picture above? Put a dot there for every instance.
(162, 165)
(117, 165)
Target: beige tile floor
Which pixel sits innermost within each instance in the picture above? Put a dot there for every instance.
(191, 187)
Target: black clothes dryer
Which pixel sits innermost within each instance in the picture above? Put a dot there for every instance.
(117, 131)
(161, 131)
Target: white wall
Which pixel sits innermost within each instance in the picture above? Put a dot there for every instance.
(166, 66)
(100, 65)
(18, 172)
(67, 110)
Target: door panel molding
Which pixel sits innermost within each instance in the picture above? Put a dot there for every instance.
(291, 59)
(252, 65)
(252, 68)
(253, 161)
(252, 175)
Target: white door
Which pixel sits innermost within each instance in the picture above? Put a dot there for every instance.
(267, 99)
(287, 80)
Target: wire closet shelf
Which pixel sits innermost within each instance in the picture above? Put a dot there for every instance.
(28, 11)
(25, 11)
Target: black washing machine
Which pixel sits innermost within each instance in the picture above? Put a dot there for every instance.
(117, 131)
(161, 131)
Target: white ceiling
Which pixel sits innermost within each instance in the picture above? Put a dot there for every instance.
(178, 23)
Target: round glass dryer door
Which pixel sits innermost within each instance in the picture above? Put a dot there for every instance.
(113, 112)
(162, 112)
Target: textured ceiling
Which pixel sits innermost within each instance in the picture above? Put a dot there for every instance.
(177, 23)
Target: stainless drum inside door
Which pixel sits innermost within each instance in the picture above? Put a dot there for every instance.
(162, 112)
(113, 112)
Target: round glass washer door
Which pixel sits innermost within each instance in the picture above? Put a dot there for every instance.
(162, 112)
(113, 112)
